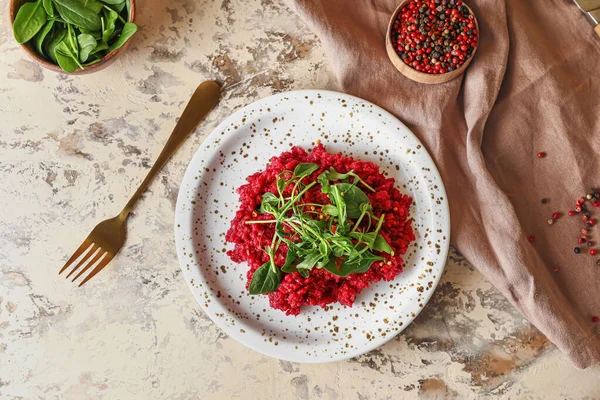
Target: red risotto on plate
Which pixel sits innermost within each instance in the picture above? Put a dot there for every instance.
(317, 228)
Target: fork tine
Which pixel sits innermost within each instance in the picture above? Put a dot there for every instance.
(98, 256)
(84, 258)
(84, 246)
(98, 268)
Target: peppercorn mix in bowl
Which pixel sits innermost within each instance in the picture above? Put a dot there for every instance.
(432, 41)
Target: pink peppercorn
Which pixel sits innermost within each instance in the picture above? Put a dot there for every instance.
(595, 319)
(531, 238)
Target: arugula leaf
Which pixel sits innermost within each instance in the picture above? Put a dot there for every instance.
(309, 261)
(333, 175)
(336, 197)
(305, 169)
(280, 186)
(265, 279)
(330, 209)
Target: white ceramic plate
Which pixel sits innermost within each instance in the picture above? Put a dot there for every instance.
(242, 145)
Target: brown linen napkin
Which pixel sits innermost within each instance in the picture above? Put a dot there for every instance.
(533, 86)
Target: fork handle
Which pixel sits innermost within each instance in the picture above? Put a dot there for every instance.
(203, 100)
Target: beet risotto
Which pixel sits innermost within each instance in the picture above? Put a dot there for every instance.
(317, 228)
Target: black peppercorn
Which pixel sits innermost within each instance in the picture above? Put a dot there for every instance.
(577, 250)
(544, 201)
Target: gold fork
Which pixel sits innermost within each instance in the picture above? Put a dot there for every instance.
(107, 238)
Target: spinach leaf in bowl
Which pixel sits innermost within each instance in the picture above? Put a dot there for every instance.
(74, 33)
(30, 18)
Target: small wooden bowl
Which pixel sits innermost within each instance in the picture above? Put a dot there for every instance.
(13, 8)
(412, 73)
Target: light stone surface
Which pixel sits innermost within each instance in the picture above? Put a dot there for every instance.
(72, 149)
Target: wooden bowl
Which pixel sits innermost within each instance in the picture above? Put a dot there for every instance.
(14, 6)
(412, 73)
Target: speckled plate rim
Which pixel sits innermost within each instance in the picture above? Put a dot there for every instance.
(183, 226)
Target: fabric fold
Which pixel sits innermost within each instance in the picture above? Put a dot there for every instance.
(532, 87)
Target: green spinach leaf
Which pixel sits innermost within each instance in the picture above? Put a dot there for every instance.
(119, 7)
(71, 41)
(353, 197)
(128, 30)
(305, 169)
(290, 257)
(58, 34)
(344, 267)
(38, 39)
(269, 203)
(87, 44)
(76, 12)
(108, 24)
(97, 60)
(380, 244)
(100, 47)
(266, 279)
(323, 179)
(93, 5)
(65, 57)
(49, 8)
(30, 18)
